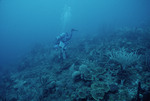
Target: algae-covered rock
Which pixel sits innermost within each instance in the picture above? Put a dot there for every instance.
(101, 86)
(85, 72)
(76, 76)
(98, 90)
(100, 70)
(97, 94)
(113, 88)
(83, 92)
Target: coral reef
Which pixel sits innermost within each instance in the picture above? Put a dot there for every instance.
(97, 68)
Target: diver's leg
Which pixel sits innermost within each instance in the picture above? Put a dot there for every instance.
(59, 54)
(64, 54)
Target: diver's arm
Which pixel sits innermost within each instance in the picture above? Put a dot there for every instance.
(73, 30)
(69, 36)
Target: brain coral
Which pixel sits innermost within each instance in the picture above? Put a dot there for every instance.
(98, 90)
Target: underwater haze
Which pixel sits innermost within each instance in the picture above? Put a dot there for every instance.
(110, 44)
(26, 22)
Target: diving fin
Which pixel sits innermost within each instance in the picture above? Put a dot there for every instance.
(73, 30)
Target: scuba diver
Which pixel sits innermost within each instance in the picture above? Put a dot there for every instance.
(62, 41)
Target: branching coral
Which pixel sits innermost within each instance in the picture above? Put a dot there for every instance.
(123, 57)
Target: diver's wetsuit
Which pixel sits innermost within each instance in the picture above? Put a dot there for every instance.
(62, 41)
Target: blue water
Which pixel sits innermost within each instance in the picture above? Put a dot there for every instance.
(26, 22)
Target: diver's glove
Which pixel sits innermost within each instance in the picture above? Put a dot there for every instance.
(56, 47)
